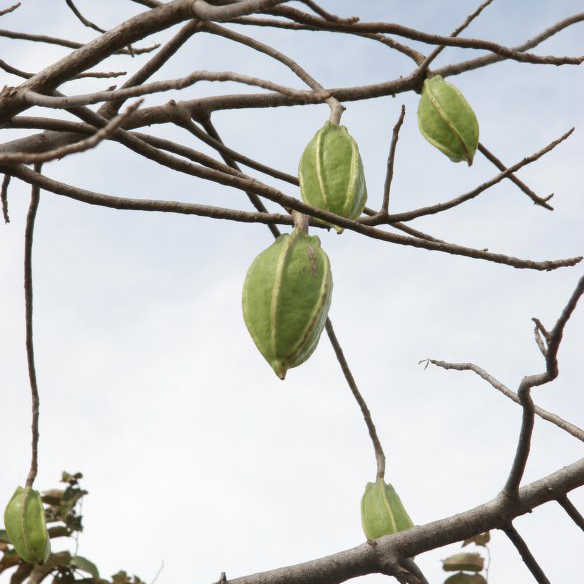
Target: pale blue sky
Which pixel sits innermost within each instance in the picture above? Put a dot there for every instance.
(194, 452)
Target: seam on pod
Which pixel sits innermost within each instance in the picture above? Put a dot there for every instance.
(445, 119)
(22, 513)
(351, 186)
(323, 297)
(320, 166)
(277, 288)
(387, 505)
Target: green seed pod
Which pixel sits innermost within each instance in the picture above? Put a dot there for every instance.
(447, 121)
(24, 519)
(382, 511)
(286, 297)
(331, 173)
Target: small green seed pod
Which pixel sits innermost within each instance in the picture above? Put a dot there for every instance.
(447, 121)
(286, 297)
(24, 519)
(331, 173)
(382, 511)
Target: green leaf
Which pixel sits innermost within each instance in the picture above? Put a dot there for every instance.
(85, 565)
(4, 536)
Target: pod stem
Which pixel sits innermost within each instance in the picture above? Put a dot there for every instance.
(300, 221)
(379, 454)
(28, 238)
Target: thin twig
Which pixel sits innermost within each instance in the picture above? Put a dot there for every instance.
(39, 38)
(526, 555)
(81, 146)
(9, 9)
(379, 455)
(416, 56)
(205, 11)
(541, 201)
(426, 63)
(228, 153)
(162, 56)
(390, 160)
(82, 18)
(524, 393)
(439, 207)
(28, 297)
(66, 102)
(96, 74)
(574, 514)
(416, 35)
(335, 106)
(4, 197)
(255, 200)
(327, 15)
(543, 414)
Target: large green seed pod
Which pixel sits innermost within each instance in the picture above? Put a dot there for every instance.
(447, 121)
(382, 511)
(286, 297)
(24, 519)
(331, 173)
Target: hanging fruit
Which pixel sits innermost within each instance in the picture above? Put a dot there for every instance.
(382, 512)
(24, 519)
(447, 121)
(331, 173)
(286, 297)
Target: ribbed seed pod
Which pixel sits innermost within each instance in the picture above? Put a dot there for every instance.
(447, 121)
(382, 511)
(24, 519)
(286, 297)
(331, 173)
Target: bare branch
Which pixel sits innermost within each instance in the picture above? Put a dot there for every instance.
(416, 56)
(327, 15)
(148, 3)
(524, 393)
(80, 146)
(335, 106)
(228, 153)
(40, 38)
(526, 555)
(439, 207)
(541, 201)
(82, 18)
(416, 35)
(529, 44)
(379, 455)
(97, 74)
(28, 294)
(390, 160)
(153, 65)
(66, 102)
(574, 514)
(9, 9)
(543, 414)
(426, 63)
(254, 199)
(4, 197)
(368, 559)
(205, 11)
